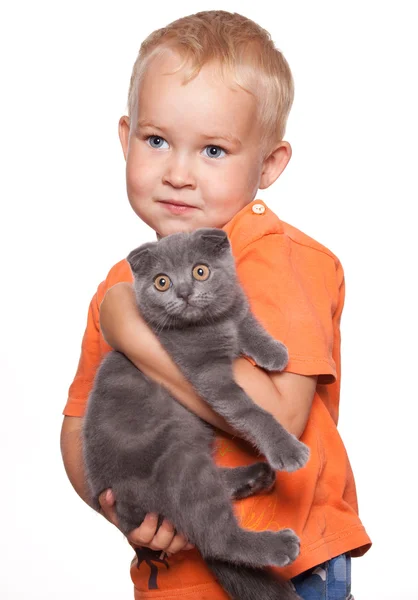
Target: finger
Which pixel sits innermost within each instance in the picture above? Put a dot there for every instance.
(179, 543)
(107, 497)
(107, 503)
(142, 535)
(164, 536)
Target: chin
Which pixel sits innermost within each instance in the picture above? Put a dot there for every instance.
(176, 228)
(192, 315)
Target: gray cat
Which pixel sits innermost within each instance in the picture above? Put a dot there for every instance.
(154, 453)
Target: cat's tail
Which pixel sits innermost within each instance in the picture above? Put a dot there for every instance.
(248, 583)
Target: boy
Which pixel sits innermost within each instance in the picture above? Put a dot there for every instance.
(197, 149)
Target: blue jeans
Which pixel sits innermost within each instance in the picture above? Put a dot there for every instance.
(329, 581)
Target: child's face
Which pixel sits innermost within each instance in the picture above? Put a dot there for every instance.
(175, 151)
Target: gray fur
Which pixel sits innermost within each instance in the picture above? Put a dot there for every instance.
(155, 454)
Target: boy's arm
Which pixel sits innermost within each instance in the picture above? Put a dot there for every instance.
(287, 396)
(71, 451)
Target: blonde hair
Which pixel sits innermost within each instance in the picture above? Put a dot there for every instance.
(242, 50)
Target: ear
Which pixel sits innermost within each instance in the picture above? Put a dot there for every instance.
(124, 125)
(140, 258)
(214, 240)
(275, 164)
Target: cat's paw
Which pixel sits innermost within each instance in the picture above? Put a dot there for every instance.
(288, 455)
(285, 547)
(274, 356)
(261, 478)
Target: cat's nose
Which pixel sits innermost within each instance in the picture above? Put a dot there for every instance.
(184, 292)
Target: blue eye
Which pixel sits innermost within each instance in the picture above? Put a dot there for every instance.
(155, 141)
(214, 151)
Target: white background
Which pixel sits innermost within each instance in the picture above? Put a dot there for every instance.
(65, 220)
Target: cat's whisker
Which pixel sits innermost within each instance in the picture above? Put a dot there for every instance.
(163, 323)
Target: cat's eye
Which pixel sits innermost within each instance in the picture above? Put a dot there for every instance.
(201, 272)
(162, 282)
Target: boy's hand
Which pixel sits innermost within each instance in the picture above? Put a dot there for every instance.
(146, 534)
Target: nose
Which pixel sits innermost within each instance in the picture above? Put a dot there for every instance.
(178, 172)
(184, 291)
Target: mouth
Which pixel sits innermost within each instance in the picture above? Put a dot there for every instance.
(177, 207)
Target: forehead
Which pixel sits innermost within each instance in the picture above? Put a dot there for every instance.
(176, 250)
(181, 250)
(205, 104)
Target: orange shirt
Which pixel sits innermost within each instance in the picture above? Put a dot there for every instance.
(296, 289)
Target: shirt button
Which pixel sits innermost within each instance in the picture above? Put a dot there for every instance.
(258, 209)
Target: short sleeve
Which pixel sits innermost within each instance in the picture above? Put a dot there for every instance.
(90, 358)
(93, 345)
(293, 292)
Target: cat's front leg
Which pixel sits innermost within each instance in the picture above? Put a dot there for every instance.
(283, 451)
(259, 345)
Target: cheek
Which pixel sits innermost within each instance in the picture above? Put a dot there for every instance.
(241, 178)
(249, 179)
(218, 188)
(153, 299)
(136, 183)
(229, 192)
(139, 174)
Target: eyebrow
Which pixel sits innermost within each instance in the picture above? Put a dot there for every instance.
(227, 137)
(142, 123)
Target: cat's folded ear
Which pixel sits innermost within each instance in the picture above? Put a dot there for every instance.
(140, 258)
(214, 240)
